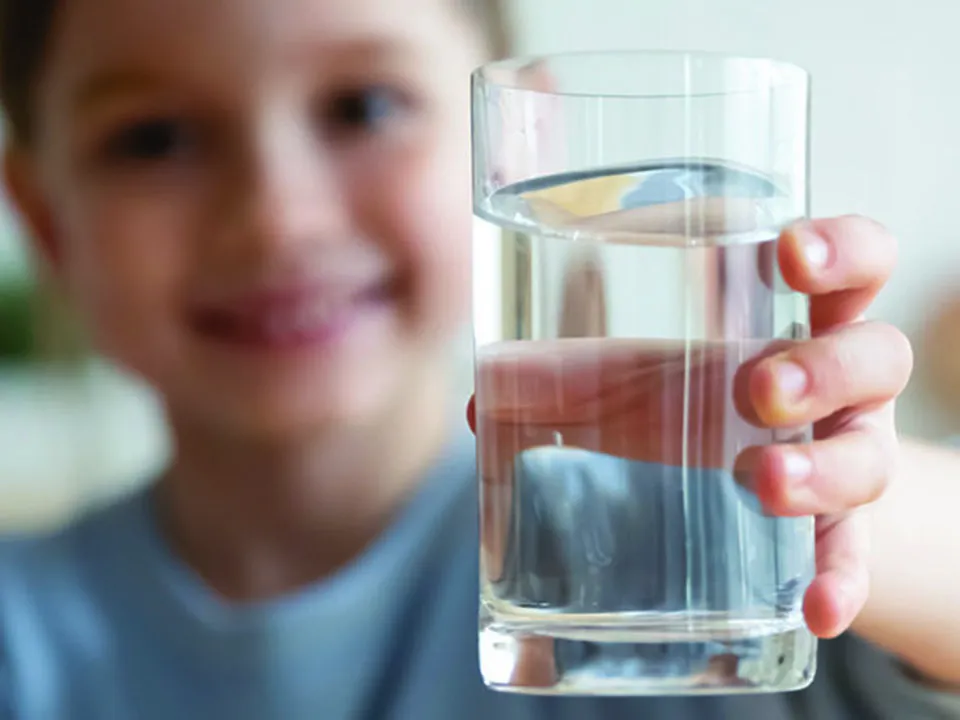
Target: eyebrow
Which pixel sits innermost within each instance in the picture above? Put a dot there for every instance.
(100, 88)
(372, 48)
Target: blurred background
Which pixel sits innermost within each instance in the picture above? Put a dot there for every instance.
(886, 105)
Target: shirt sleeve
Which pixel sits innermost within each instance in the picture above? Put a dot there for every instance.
(882, 685)
(866, 682)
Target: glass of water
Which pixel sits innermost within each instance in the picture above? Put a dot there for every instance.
(626, 280)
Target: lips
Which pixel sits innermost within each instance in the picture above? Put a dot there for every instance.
(290, 317)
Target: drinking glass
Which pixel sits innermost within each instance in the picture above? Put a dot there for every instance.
(625, 282)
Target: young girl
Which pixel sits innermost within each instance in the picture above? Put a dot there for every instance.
(262, 208)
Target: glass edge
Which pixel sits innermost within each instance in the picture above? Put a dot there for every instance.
(795, 75)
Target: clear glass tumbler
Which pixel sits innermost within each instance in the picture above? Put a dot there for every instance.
(625, 281)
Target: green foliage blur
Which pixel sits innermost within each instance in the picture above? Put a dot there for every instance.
(36, 326)
(17, 316)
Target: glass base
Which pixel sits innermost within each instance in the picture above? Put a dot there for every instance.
(536, 659)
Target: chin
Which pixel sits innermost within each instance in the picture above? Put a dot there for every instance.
(325, 406)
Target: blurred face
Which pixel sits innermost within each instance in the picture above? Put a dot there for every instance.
(261, 206)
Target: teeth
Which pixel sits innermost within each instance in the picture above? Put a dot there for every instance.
(279, 326)
(302, 321)
(315, 314)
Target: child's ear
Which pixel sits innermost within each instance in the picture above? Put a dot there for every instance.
(23, 187)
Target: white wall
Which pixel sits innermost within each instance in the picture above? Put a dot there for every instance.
(886, 121)
(886, 112)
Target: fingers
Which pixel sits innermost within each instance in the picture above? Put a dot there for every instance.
(564, 380)
(584, 311)
(842, 263)
(860, 365)
(842, 584)
(845, 471)
(535, 663)
(629, 399)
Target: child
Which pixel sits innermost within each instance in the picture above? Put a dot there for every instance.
(262, 208)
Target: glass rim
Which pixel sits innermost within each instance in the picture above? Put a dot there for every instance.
(792, 74)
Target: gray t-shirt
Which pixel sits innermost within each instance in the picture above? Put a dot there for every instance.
(102, 622)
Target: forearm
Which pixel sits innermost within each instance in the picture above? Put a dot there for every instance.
(914, 605)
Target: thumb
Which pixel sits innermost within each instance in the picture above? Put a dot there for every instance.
(472, 414)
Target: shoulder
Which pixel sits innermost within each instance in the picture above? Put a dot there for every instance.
(54, 608)
(40, 572)
(45, 561)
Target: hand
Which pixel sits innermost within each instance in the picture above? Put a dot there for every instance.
(844, 381)
(852, 372)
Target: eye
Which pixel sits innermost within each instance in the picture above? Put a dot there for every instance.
(366, 109)
(151, 141)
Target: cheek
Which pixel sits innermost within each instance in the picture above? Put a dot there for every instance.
(440, 222)
(124, 261)
(431, 203)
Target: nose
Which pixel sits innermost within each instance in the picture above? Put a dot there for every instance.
(282, 194)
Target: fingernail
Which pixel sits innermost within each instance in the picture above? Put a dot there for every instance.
(816, 250)
(798, 495)
(796, 466)
(791, 381)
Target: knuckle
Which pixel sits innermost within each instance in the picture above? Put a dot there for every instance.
(867, 235)
(831, 364)
(866, 221)
(874, 453)
(856, 225)
(896, 348)
(873, 356)
(903, 353)
(848, 228)
(886, 450)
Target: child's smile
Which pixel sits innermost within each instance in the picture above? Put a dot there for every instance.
(262, 206)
